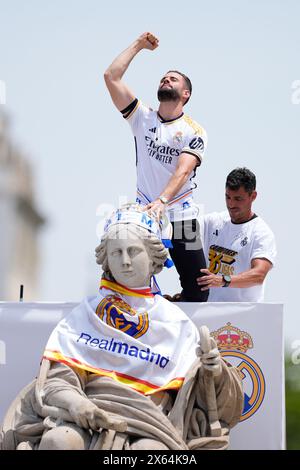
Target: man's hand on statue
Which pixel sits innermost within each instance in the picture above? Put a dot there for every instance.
(88, 416)
(211, 360)
(148, 41)
(157, 207)
(210, 280)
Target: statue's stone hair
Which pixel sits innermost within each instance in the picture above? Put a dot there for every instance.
(153, 245)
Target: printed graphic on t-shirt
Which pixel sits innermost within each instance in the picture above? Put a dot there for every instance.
(221, 260)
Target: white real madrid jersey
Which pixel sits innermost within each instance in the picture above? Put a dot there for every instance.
(229, 249)
(158, 146)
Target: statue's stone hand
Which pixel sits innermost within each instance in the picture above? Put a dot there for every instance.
(88, 416)
(211, 360)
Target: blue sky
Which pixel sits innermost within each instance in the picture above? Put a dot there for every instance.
(242, 57)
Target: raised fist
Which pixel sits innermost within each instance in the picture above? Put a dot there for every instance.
(148, 41)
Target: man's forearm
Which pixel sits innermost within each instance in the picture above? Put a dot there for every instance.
(247, 279)
(253, 277)
(186, 164)
(119, 66)
(175, 184)
(120, 94)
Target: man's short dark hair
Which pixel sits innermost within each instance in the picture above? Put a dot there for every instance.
(241, 177)
(188, 82)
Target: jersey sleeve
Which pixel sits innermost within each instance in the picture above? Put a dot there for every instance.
(134, 114)
(264, 245)
(196, 142)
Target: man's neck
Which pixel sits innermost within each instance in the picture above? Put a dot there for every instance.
(170, 110)
(245, 219)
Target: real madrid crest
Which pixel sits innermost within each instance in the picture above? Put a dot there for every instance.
(233, 344)
(116, 313)
(177, 139)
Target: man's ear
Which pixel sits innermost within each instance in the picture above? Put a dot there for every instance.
(253, 195)
(186, 95)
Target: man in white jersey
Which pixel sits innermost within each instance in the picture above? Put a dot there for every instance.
(239, 246)
(169, 147)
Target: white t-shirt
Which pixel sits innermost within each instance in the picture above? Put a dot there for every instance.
(158, 146)
(229, 249)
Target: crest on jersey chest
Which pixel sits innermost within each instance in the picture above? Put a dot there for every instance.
(178, 137)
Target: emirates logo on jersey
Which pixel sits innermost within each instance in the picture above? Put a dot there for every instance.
(162, 153)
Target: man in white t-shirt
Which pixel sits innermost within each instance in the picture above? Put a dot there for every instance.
(239, 246)
(169, 148)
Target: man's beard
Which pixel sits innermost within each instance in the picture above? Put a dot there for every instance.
(167, 94)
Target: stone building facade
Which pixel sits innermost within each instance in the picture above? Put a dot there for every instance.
(20, 221)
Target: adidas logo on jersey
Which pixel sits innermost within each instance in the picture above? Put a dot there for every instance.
(153, 130)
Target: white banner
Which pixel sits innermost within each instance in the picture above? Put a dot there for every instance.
(251, 338)
(249, 335)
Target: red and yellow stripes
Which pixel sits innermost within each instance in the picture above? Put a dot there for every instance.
(114, 286)
(142, 386)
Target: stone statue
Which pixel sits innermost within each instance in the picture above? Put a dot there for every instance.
(127, 369)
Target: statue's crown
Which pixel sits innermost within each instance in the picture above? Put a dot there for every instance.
(230, 337)
(134, 214)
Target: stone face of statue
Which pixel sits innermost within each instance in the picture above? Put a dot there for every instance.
(128, 259)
